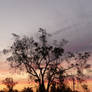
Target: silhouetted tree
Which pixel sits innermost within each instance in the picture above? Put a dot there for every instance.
(28, 89)
(80, 64)
(85, 88)
(60, 88)
(64, 88)
(1, 91)
(41, 59)
(53, 87)
(15, 90)
(9, 82)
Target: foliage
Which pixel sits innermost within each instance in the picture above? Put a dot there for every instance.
(9, 82)
(27, 90)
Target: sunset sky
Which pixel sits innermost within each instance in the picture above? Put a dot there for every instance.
(69, 19)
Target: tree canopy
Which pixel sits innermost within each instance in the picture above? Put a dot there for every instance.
(9, 82)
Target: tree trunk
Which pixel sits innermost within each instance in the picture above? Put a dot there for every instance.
(48, 87)
(10, 90)
(42, 88)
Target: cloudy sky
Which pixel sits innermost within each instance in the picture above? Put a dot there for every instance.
(69, 19)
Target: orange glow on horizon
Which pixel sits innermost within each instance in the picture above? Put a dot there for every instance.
(24, 84)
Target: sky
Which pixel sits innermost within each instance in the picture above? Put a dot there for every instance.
(71, 18)
(68, 19)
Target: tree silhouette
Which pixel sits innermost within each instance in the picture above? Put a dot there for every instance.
(81, 64)
(9, 82)
(53, 87)
(41, 59)
(1, 91)
(28, 89)
(85, 88)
